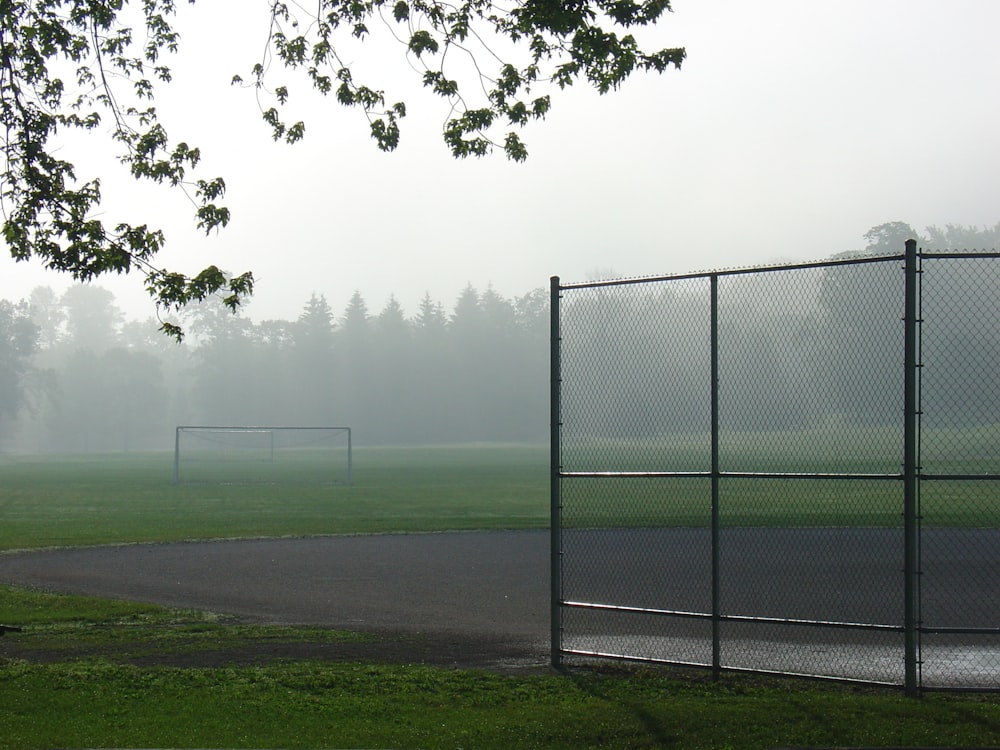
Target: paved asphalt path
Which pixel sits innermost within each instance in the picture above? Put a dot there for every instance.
(487, 593)
(497, 583)
(490, 585)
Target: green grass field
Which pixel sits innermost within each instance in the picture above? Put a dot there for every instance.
(92, 680)
(121, 498)
(80, 500)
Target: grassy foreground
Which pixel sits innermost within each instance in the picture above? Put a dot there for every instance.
(94, 673)
(89, 673)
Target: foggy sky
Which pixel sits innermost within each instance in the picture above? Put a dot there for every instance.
(790, 130)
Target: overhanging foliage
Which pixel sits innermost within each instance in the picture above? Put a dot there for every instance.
(73, 64)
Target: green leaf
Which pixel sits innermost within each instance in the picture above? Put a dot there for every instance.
(514, 148)
(421, 42)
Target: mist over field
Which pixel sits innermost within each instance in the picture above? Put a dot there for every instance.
(786, 132)
(78, 376)
(98, 382)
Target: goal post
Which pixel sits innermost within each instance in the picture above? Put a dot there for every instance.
(231, 454)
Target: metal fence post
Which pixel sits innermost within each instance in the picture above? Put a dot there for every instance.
(911, 469)
(555, 468)
(716, 582)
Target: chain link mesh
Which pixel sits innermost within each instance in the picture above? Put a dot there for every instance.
(960, 437)
(766, 516)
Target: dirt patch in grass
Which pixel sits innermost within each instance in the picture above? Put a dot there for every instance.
(235, 643)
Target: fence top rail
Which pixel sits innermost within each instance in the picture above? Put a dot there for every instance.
(963, 254)
(249, 428)
(851, 261)
(844, 261)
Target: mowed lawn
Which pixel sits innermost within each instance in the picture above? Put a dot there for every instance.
(65, 500)
(106, 499)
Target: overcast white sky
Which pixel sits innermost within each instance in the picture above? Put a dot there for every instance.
(792, 128)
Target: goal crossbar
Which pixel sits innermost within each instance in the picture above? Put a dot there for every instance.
(267, 444)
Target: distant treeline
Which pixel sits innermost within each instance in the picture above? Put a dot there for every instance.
(91, 381)
(799, 349)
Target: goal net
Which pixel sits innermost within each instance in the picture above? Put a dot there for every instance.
(263, 455)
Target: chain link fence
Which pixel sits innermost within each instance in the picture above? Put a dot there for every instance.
(787, 470)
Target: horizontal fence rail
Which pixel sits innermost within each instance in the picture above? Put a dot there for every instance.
(792, 470)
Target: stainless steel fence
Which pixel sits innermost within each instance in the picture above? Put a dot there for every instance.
(788, 470)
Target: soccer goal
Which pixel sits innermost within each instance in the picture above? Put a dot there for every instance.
(263, 455)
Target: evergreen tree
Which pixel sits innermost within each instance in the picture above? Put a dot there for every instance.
(391, 322)
(354, 324)
(431, 371)
(315, 325)
(311, 391)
